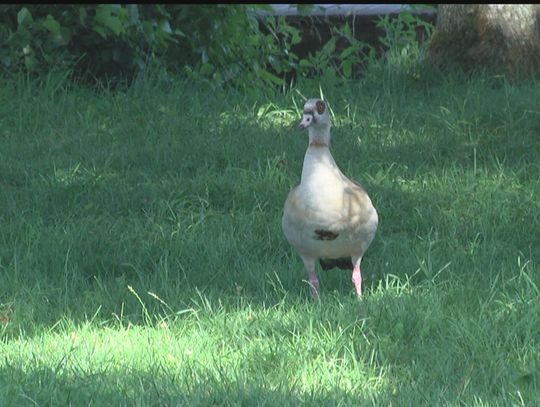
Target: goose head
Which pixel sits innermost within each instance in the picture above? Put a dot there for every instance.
(316, 119)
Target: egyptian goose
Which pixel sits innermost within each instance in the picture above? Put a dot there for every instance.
(327, 217)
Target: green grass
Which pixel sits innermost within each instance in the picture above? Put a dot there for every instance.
(142, 260)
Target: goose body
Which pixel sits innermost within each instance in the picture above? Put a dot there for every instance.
(327, 217)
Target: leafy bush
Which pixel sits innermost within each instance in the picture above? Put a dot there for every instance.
(400, 38)
(100, 40)
(221, 44)
(226, 44)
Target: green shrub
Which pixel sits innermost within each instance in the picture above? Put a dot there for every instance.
(218, 42)
(224, 44)
(221, 44)
(103, 40)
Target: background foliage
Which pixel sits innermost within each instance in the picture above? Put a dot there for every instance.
(219, 43)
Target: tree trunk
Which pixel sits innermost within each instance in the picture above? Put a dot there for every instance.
(502, 38)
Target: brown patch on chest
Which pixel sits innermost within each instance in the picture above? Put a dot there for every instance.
(325, 235)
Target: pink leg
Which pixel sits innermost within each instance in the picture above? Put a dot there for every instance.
(313, 284)
(357, 279)
(309, 263)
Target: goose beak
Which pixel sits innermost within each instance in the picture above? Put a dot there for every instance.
(307, 120)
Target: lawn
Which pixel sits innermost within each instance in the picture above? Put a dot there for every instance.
(142, 260)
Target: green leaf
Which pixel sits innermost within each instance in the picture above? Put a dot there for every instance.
(24, 17)
(148, 29)
(101, 31)
(347, 69)
(133, 12)
(179, 32)
(164, 26)
(270, 78)
(329, 47)
(346, 31)
(82, 15)
(407, 17)
(304, 9)
(52, 25)
(347, 52)
(106, 18)
(65, 34)
(265, 7)
(206, 69)
(30, 62)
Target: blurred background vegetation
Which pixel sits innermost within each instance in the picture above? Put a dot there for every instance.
(222, 44)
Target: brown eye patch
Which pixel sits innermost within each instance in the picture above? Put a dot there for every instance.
(320, 106)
